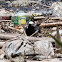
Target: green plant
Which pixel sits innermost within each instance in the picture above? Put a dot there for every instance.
(57, 40)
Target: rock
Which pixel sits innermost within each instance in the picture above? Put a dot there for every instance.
(18, 46)
(12, 47)
(44, 48)
(57, 9)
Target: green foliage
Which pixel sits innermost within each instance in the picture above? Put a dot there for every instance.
(57, 40)
(34, 15)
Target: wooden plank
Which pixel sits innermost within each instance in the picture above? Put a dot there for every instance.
(50, 24)
(39, 17)
(7, 36)
(12, 28)
(56, 18)
(47, 60)
(5, 20)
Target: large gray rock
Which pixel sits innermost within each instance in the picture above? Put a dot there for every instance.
(43, 48)
(19, 46)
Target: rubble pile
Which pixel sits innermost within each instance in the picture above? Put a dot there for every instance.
(27, 36)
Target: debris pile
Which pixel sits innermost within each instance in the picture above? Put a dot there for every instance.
(26, 35)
